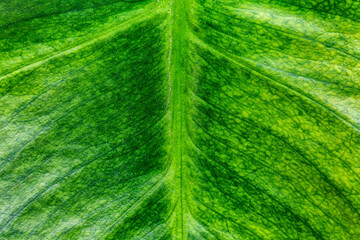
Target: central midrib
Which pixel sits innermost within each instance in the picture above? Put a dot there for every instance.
(178, 109)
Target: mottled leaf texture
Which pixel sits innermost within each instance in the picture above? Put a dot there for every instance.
(180, 119)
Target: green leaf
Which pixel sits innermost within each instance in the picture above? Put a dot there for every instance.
(180, 119)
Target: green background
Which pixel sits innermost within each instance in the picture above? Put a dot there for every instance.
(180, 119)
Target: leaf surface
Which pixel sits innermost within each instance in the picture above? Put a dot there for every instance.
(182, 119)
